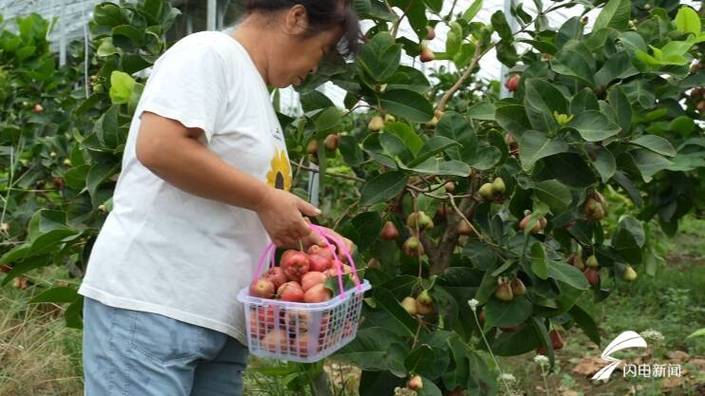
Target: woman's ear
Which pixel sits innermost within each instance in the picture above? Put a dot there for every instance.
(296, 20)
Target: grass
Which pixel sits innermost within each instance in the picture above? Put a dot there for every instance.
(40, 356)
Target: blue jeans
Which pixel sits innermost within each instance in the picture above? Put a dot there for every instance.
(131, 353)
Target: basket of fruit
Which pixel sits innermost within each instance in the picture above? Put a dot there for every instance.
(305, 308)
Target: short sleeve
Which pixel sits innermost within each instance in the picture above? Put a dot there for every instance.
(188, 85)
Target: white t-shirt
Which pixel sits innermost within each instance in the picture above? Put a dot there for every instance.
(166, 251)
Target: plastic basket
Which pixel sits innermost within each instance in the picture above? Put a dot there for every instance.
(303, 332)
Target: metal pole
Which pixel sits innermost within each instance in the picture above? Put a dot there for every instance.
(212, 8)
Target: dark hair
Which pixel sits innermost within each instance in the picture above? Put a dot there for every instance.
(322, 15)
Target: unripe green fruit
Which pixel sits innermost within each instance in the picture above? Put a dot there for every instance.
(498, 186)
(592, 262)
(629, 274)
(486, 191)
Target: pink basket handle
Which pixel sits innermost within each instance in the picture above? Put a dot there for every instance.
(267, 257)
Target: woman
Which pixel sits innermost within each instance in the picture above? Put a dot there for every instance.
(203, 188)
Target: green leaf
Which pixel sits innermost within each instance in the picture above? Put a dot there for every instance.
(535, 145)
(586, 323)
(454, 39)
(453, 126)
(457, 376)
(688, 21)
(386, 301)
(649, 163)
(629, 239)
(615, 14)
(542, 333)
(326, 121)
(504, 314)
(470, 13)
(500, 25)
(72, 315)
(97, 174)
(656, 144)
(567, 273)
(483, 111)
(622, 108)
(431, 147)
(593, 126)
(540, 101)
(554, 193)
(617, 66)
(538, 261)
(57, 295)
(437, 166)
(121, 85)
(407, 104)
(376, 348)
(604, 163)
(516, 343)
(380, 56)
(697, 333)
(382, 188)
(513, 119)
(407, 135)
(315, 100)
(435, 5)
(573, 62)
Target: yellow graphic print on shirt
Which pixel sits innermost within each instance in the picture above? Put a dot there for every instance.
(279, 175)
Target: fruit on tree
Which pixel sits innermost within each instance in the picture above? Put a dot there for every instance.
(294, 263)
(311, 279)
(389, 118)
(290, 291)
(449, 186)
(518, 288)
(412, 247)
(276, 276)
(376, 124)
(331, 141)
(498, 186)
(592, 262)
(463, 228)
(263, 288)
(38, 108)
(317, 293)
(374, 264)
(415, 383)
(419, 220)
(593, 276)
(576, 259)
(409, 304)
(512, 83)
(556, 340)
(312, 147)
(629, 274)
(423, 309)
(486, 191)
(427, 54)
(389, 231)
(430, 33)
(538, 227)
(504, 291)
(424, 298)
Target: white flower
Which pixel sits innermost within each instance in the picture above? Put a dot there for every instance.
(473, 304)
(652, 335)
(506, 377)
(541, 360)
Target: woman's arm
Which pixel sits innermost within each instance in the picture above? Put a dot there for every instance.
(174, 153)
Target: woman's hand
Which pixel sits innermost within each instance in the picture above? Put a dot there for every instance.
(282, 214)
(316, 239)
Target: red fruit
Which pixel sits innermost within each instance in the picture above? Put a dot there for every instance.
(276, 339)
(449, 186)
(331, 142)
(389, 232)
(415, 383)
(317, 293)
(276, 276)
(5, 268)
(318, 263)
(311, 279)
(295, 264)
(592, 275)
(509, 329)
(556, 340)
(297, 322)
(290, 291)
(427, 55)
(266, 315)
(701, 106)
(312, 147)
(481, 316)
(538, 226)
(424, 309)
(326, 252)
(262, 288)
(37, 108)
(463, 228)
(512, 82)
